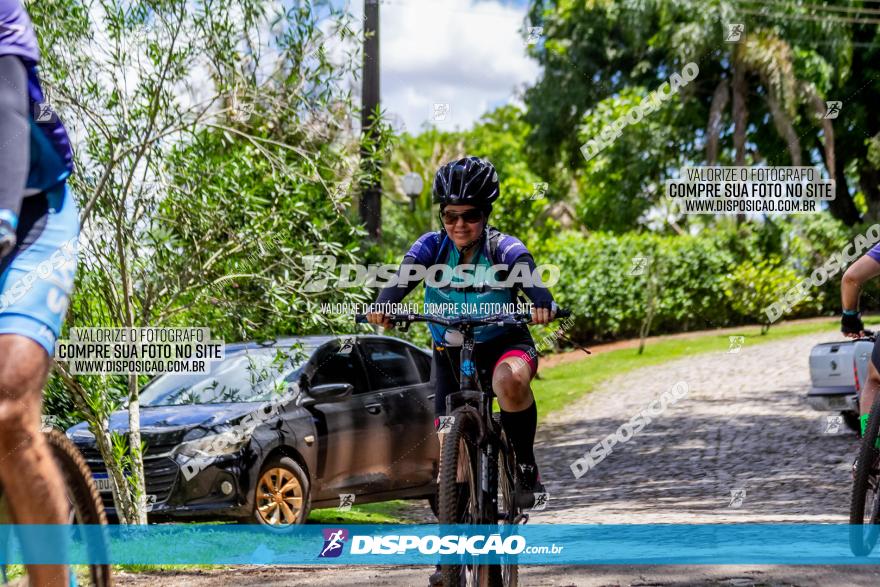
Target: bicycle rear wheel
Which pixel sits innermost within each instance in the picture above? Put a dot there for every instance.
(865, 504)
(458, 489)
(86, 506)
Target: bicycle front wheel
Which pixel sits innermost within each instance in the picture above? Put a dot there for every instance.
(459, 490)
(507, 573)
(864, 513)
(86, 507)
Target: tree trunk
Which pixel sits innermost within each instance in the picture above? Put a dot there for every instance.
(716, 112)
(786, 130)
(869, 182)
(740, 114)
(137, 458)
(650, 305)
(138, 496)
(119, 484)
(842, 206)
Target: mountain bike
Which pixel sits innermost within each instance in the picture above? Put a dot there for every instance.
(477, 470)
(86, 509)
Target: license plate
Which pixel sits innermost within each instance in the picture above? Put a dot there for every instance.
(837, 403)
(102, 482)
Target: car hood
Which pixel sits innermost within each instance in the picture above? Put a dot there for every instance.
(162, 419)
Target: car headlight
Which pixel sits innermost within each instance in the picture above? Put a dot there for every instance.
(213, 445)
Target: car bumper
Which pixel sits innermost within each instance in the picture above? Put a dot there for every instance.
(833, 399)
(215, 491)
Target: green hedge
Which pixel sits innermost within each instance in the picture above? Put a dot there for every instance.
(719, 277)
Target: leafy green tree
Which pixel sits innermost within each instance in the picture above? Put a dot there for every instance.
(757, 101)
(208, 167)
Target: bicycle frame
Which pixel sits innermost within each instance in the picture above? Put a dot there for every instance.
(488, 442)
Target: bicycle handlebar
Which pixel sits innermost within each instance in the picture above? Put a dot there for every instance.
(499, 319)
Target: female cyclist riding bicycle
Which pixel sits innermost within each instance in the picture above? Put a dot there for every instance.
(505, 356)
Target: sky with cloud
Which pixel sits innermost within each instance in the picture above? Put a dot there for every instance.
(469, 54)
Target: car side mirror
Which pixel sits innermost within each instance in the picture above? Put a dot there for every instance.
(327, 393)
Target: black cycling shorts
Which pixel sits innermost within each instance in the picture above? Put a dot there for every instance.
(446, 365)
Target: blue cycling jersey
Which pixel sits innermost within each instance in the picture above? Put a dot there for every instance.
(495, 249)
(874, 252)
(51, 154)
(36, 277)
(477, 300)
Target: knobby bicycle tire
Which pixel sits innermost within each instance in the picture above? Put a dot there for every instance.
(85, 501)
(458, 503)
(507, 573)
(862, 542)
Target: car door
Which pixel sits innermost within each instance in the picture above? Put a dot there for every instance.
(404, 388)
(349, 432)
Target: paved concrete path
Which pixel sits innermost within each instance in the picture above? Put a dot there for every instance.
(744, 427)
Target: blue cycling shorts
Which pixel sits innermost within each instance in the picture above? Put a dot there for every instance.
(36, 279)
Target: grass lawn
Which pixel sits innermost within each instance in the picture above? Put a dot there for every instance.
(386, 512)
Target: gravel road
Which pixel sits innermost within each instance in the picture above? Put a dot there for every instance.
(741, 446)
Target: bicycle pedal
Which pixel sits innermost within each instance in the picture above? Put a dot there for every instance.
(521, 519)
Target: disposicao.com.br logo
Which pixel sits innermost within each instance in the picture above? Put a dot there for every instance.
(334, 540)
(478, 544)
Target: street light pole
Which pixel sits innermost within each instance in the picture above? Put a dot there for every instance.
(370, 206)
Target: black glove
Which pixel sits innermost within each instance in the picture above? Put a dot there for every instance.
(851, 324)
(7, 238)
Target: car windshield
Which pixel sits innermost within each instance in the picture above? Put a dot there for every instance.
(253, 375)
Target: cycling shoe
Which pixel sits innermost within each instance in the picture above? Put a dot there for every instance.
(527, 484)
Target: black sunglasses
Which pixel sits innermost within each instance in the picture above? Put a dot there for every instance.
(470, 216)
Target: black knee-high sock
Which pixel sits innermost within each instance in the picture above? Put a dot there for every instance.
(520, 429)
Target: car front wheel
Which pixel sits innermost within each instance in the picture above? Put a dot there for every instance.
(282, 494)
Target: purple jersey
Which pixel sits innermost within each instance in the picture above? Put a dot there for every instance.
(51, 154)
(427, 248)
(874, 252)
(16, 32)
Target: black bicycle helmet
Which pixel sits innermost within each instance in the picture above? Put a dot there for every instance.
(470, 180)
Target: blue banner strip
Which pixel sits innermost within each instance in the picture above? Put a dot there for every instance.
(672, 544)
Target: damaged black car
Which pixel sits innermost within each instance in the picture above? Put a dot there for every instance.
(276, 429)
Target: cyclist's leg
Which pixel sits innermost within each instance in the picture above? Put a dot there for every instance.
(444, 371)
(515, 366)
(515, 363)
(35, 283)
(30, 478)
(444, 365)
(869, 389)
